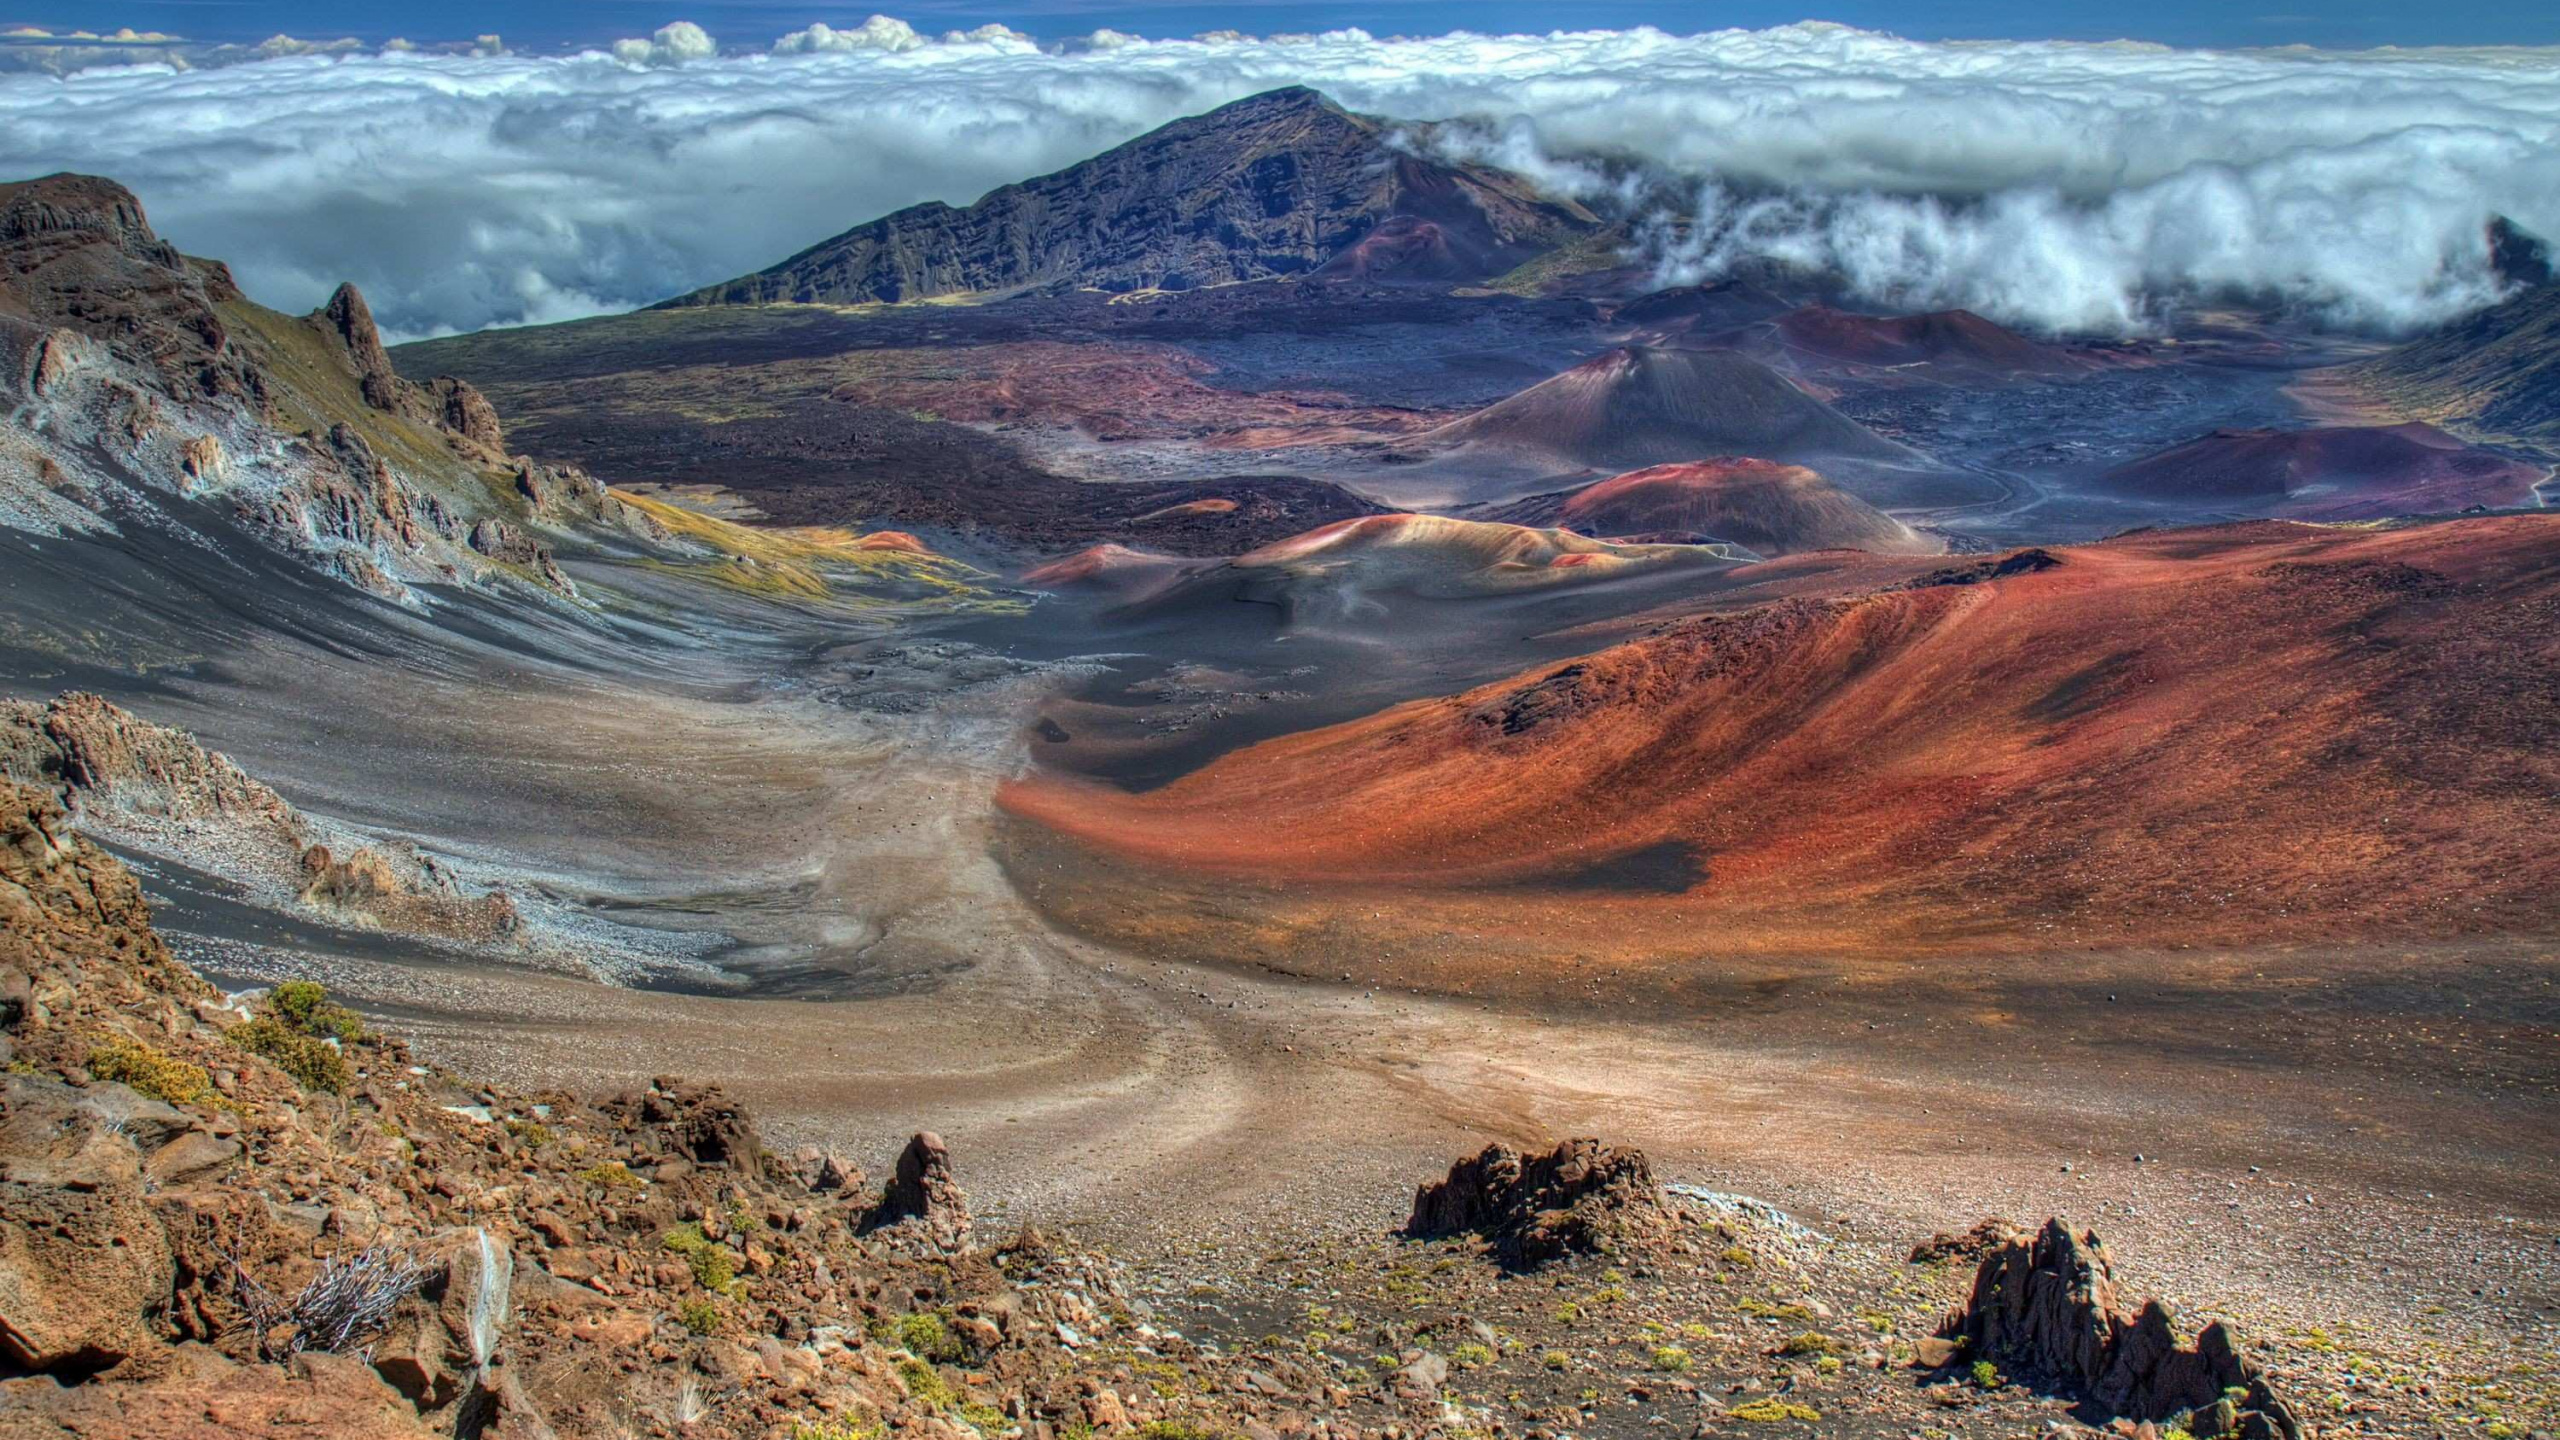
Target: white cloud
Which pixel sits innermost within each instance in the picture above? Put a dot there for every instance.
(673, 44)
(2056, 185)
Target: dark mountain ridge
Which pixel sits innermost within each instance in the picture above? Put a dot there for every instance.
(1279, 184)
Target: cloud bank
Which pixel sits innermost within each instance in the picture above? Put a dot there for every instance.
(2056, 186)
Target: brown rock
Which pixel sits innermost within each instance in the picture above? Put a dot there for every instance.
(924, 1196)
(2048, 1306)
(351, 321)
(468, 413)
(1968, 1246)
(195, 1156)
(1580, 1196)
(83, 1261)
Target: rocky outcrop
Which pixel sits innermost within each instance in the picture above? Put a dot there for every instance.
(399, 887)
(1275, 185)
(1987, 1234)
(158, 789)
(410, 1253)
(922, 1198)
(1583, 1196)
(2048, 1307)
(77, 253)
(132, 368)
(350, 319)
(468, 413)
(692, 1124)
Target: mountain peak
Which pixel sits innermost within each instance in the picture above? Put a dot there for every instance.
(1287, 97)
(1278, 184)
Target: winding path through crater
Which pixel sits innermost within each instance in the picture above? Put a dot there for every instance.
(909, 984)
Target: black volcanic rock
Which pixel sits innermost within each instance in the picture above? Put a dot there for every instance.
(1279, 184)
(2517, 255)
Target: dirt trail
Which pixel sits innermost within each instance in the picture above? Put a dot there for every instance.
(1167, 1107)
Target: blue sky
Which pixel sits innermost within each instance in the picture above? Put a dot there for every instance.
(551, 23)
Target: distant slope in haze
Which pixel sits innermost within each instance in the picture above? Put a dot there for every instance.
(2344, 472)
(2494, 375)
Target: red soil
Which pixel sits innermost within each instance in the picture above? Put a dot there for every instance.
(1636, 406)
(1767, 507)
(2263, 732)
(2331, 472)
(1943, 341)
(1103, 565)
(892, 540)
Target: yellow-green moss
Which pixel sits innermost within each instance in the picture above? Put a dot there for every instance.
(1772, 1410)
(314, 1063)
(162, 1077)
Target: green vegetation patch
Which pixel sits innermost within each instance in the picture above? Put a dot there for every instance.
(314, 1063)
(611, 1175)
(161, 1077)
(305, 1006)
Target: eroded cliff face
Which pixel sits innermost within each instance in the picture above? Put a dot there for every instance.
(133, 377)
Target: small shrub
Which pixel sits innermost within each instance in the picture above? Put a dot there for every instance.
(304, 1005)
(1986, 1376)
(1827, 1365)
(531, 1132)
(1773, 1310)
(699, 1316)
(1811, 1342)
(611, 1175)
(1178, 1430)
(161, 1077)
(1556, 1360)
(924, 1333)
(1736, 1255)
(1772, 1410)
(924, 1383)
(350, 1300)
(1567, 1312)
(313, 1063)
(1470, 1355)
(715, 1266)
(1670, 1358)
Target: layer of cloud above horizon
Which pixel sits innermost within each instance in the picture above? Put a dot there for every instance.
(2063, 187)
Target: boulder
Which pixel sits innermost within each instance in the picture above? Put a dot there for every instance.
(1970, 1245)
(1582, 1196)
(2047, 1306)
(923, 1195)
(443, 1339)
(84, 1264)
(696, 1123)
